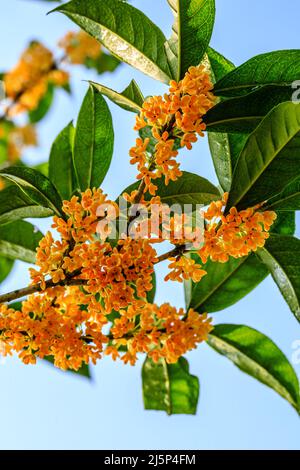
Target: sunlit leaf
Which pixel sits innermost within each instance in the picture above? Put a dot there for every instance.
(255, 354)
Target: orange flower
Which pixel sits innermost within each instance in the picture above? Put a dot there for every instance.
(175, 119)
(28, 82)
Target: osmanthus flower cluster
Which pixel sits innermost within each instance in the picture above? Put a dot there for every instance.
(175, 121)
(235, 235)
(15, 138)
(86, 281)
(27, 83)
(90, 280)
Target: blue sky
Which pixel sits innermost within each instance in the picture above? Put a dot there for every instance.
(43, 408)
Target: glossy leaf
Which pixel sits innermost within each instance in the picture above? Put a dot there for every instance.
(224, 147)
(15, 205)
(254, 353)
(131, 99)
(192, 30)
(94, 141)
(270, 159)
(281, 255)
(19, 240)
(219, 64)
(225, 283)
(189, 189)
(125, 31)
(35, 186)
(243, 114)
(170, 387)
(61, 168)
(272, 68)
(288, 199)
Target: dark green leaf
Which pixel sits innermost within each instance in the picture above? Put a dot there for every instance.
(281, 255)
(243, 114)
(192, 30)
(170, 387)
(35, 186)
(15, 205)
(61, 169)
(224, 147)
(19, 240)
(255, 354)
(272, 68)
(288, 199)
(225, 150)
(94, 141)
(44, 105)
(225, 283)
(220, 66)
(130, 99)
(270, 159)
(125, 31)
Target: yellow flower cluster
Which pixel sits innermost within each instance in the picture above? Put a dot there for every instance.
(67, 324)
(27, 83)
(235, 234)
(175, 120)
(120, 274)
(79, 47)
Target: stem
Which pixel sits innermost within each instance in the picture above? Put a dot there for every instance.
(19, 293)
(25, 291)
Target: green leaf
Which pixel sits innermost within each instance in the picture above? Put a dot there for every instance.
(254, 353)
(189, 189)
(243, 114)
(225, 283)
(225, 150)
(224, 147)
(125, 31)
(42, 168)
(281, 255)
(170, 387)
(94, 141)
(35, 186)
(6, 266)
(270, 159)
(84, 370)
(288, 199)
(19, 240)
(61, 169)
(192, 30)
(43, 107)
(15, 205)
(131, 99)
(220, 66)
(272, 68)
